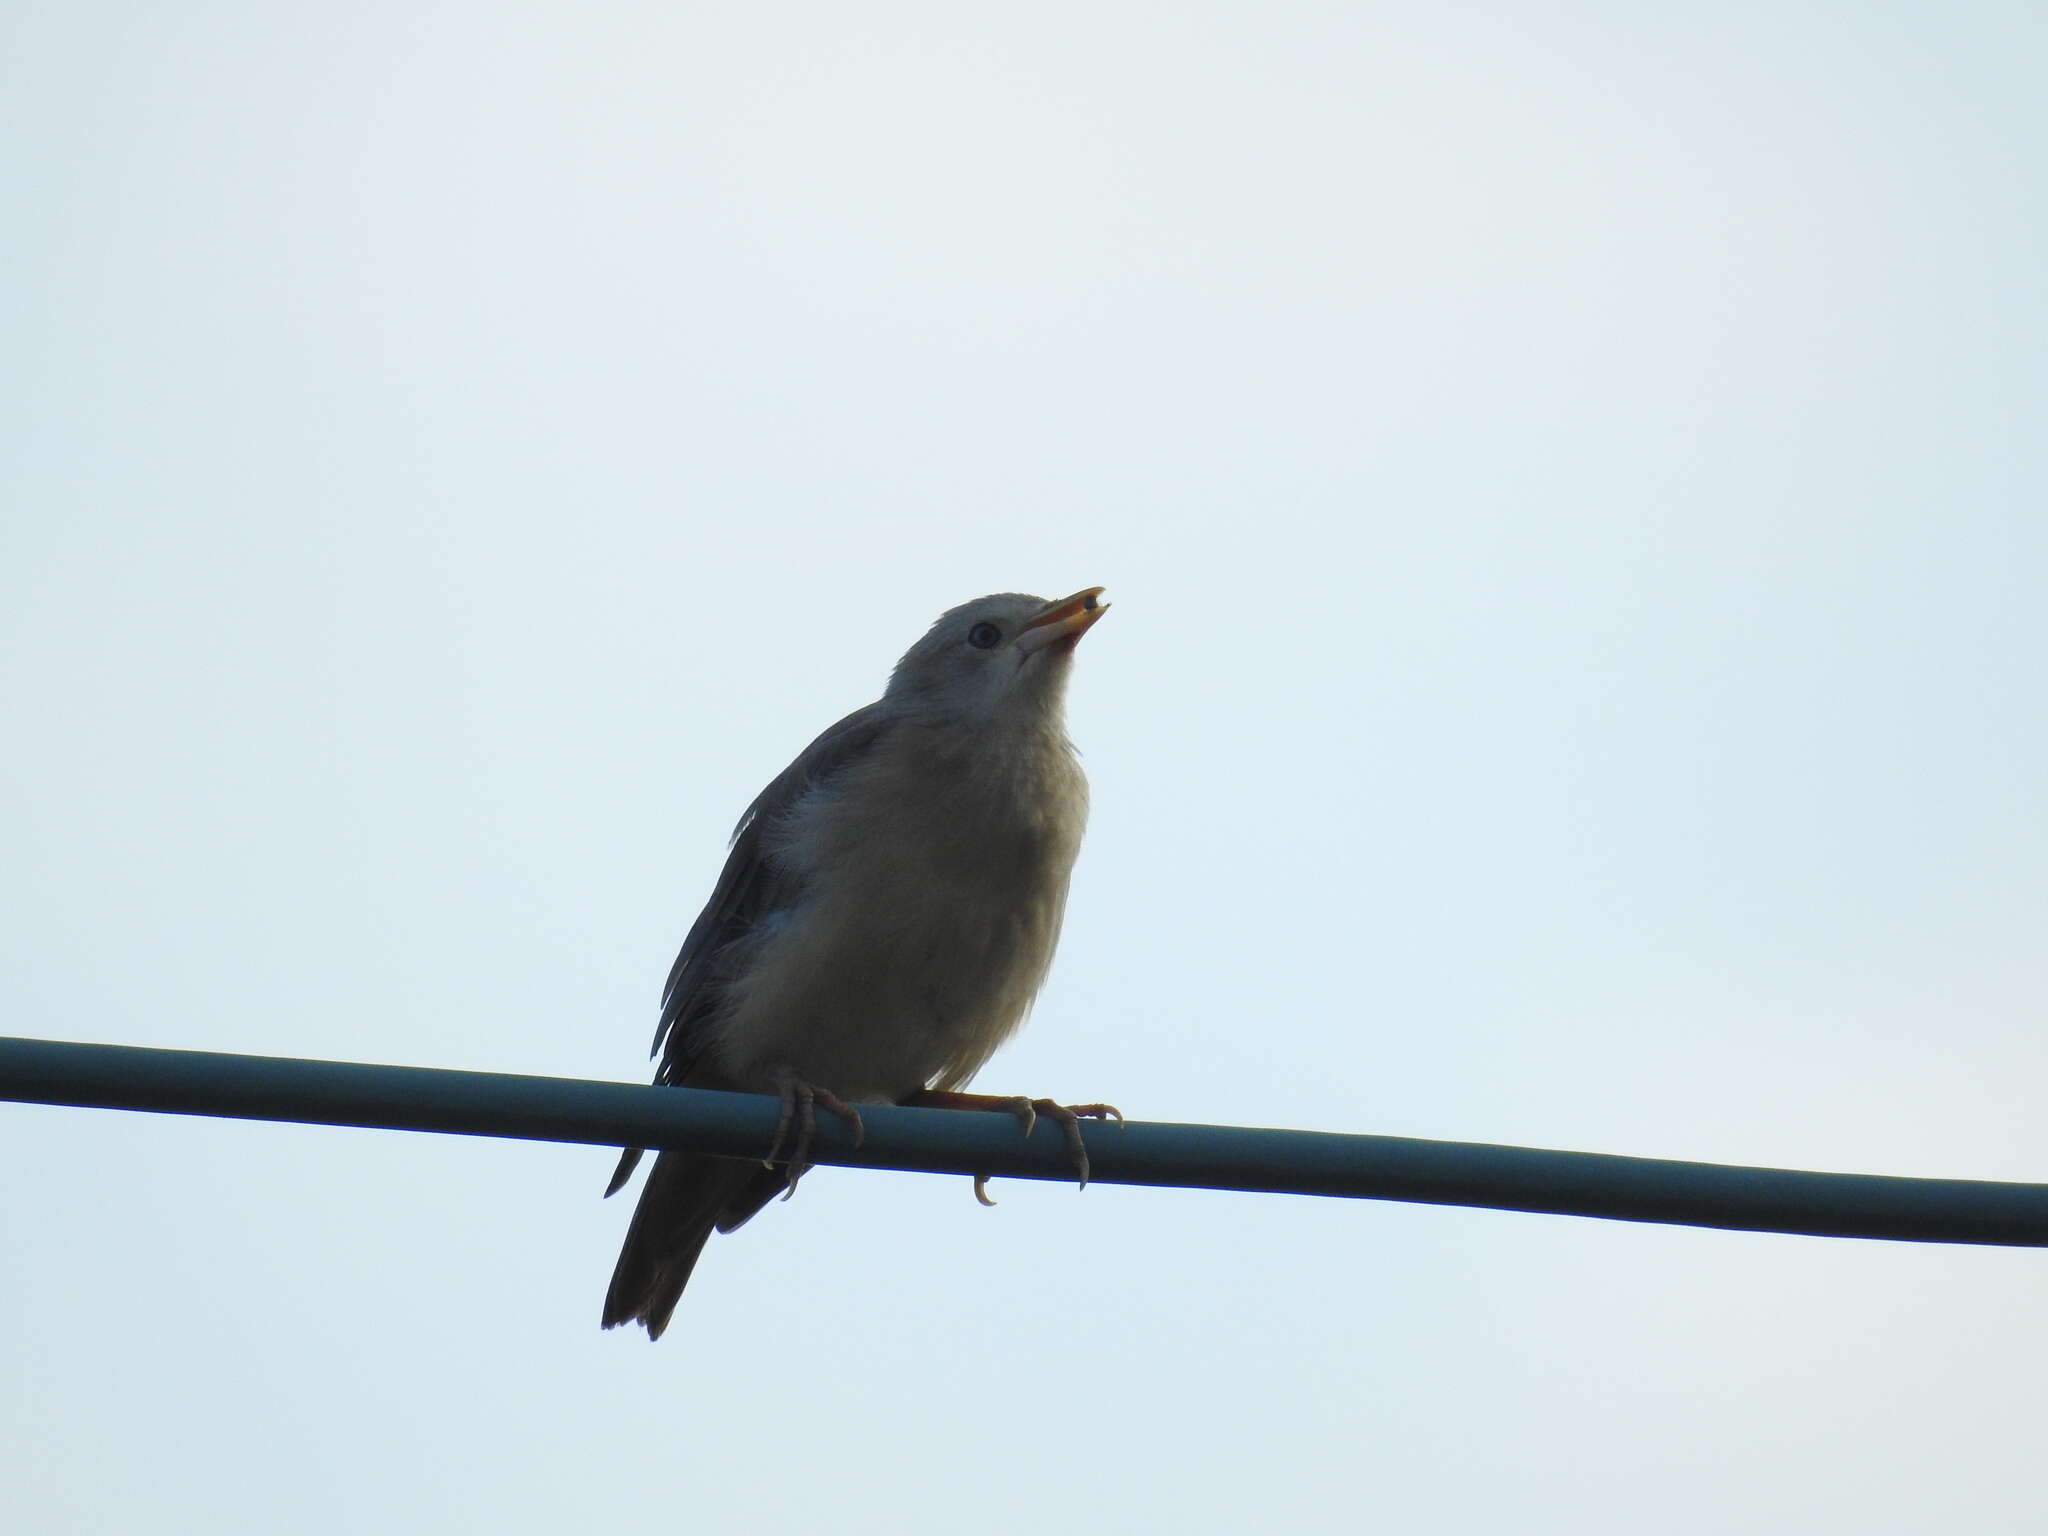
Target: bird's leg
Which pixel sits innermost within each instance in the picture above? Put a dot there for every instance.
(1067, 1116)
(799, 1108)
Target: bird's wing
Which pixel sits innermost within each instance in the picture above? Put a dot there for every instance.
(750, 888)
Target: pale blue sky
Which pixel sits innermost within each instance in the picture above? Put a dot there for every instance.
(1571, 478)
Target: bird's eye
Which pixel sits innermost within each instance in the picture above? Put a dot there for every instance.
(984, 636)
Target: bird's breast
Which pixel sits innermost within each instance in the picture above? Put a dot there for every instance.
(931, 897)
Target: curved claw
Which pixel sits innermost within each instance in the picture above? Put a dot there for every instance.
(799, 1107)
(1027, 1110)
(1069, 1117)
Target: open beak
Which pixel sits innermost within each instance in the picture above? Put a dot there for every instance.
(1063, 623)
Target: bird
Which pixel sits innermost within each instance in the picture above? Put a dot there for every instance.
(886, 915)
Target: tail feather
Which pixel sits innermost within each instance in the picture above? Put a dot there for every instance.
(628, 1161)
(688, 1196)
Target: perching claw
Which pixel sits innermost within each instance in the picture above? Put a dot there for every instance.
(1027, 1111)
(799, 1101)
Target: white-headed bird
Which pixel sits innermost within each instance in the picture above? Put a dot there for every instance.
(886, 915)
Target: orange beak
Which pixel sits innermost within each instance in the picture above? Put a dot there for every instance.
(1062, 623)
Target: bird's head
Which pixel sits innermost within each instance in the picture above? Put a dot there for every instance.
(1003, 655)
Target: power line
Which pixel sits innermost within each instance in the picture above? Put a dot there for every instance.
(951, 1141)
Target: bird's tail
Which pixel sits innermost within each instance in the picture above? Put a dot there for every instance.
(688, 1196)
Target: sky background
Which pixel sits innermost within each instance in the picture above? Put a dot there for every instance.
(1571, 478)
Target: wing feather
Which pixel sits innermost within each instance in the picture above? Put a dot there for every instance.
(750, 889)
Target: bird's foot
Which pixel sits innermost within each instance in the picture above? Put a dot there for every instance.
(1067, 1116)
(799, 1110)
